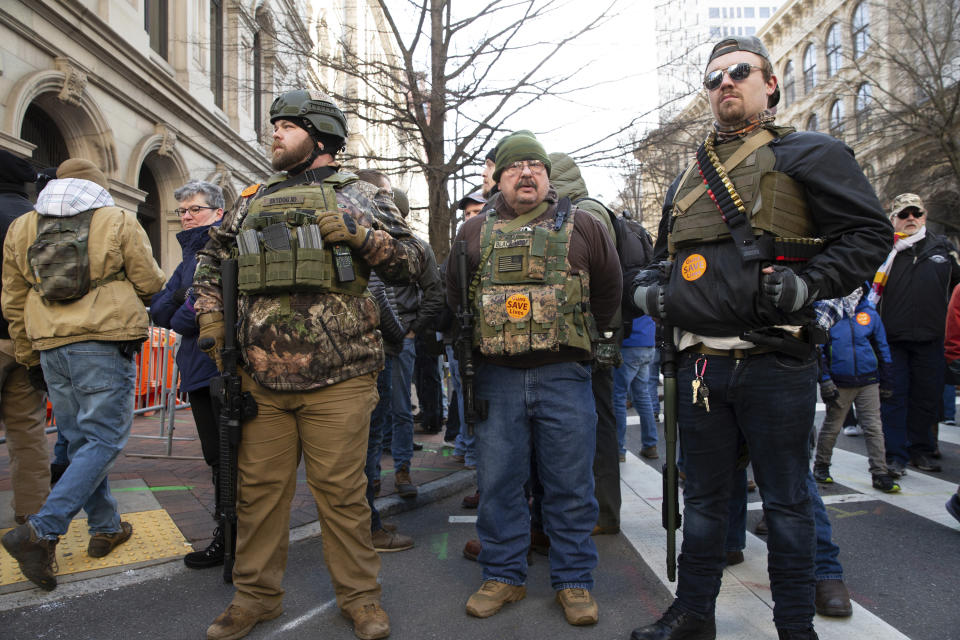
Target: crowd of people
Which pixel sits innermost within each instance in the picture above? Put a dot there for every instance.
(775, 270)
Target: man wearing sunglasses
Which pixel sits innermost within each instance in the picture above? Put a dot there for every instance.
(545, 275)
(913, 288)
(763, 222)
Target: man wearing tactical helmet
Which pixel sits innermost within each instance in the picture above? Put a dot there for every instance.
(305, 242)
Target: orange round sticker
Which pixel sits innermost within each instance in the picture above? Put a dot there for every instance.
(693, 267)
(863, 318)
(518, 306)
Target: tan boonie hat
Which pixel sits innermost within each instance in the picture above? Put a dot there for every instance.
(905, 201)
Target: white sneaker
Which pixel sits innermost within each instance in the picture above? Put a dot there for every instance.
(853, 430)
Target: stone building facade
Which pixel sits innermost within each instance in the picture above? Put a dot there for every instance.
(158, 92)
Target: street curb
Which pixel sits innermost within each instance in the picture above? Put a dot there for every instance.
(126, 575)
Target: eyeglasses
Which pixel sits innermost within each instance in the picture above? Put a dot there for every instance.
(535, 166)
(906, 213)
(737, 72)
(193, 211)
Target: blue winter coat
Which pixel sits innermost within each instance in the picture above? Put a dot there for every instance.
(857, 353)
(196, 368)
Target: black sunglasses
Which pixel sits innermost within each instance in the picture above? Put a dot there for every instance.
(906, 213)
(737, 73)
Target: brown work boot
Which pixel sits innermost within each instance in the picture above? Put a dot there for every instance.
(471, 550)
(650, 452)
(370, 621)
(579, 607)
(492, 596)
(237, 622)
(386, 541)
(103, 543)
(37, 557)
(405, 486)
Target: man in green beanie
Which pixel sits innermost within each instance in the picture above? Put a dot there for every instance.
(544, 276)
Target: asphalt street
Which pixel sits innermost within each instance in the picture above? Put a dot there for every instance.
(901, 556)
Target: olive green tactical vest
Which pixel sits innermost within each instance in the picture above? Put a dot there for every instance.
(528, 300)
(774, 201)
(278, 268)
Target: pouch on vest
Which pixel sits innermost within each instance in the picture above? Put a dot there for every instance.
(59, 258)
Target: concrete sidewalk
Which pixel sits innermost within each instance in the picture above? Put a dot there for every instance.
(169, 500)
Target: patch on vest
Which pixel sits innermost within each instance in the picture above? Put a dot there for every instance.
(518, 306)
(863, 318)
(275, 200)
(509, 263)
(693, 267)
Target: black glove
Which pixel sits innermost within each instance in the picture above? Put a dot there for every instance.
(886, 394)
(785, 289)
(649, 289)
(180, 295)
(35, 376)
(829, 391)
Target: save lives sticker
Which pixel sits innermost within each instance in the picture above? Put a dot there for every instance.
(518, 306)
(863, 318)
(693, 267)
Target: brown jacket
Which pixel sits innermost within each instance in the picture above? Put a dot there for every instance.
(113, 312)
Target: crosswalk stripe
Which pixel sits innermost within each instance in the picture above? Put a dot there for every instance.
(744, 605)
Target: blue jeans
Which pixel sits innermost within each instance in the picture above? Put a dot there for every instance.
(465, 444)
(653, 382)
(402, 443)
(91, 387)
(826, 564)
(949, 402)
(769, 399)
(379, 417)
(551, 410)
(633, 376)
(911, 412)
(60, 450)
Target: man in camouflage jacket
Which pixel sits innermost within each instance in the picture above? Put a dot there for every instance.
(311, 359)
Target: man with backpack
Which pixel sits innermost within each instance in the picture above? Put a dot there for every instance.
(75, 274)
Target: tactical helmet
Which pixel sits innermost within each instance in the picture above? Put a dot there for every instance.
(313, 110)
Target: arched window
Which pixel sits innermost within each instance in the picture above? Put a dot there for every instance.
(863, 105)
(836, 118)
(809, 68)
(860, 29)
(812, 123)
(833, 50)
(789, 84)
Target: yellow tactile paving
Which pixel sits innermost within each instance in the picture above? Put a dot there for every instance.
(155, 536)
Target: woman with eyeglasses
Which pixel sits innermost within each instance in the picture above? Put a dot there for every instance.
(912, 289)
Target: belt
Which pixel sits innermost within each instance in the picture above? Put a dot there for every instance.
(736, 354)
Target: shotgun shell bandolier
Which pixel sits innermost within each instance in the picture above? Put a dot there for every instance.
(280, 248)
(528, 299)
(775, 202)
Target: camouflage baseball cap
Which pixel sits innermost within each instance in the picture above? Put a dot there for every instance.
(905, 201)
(751, 44)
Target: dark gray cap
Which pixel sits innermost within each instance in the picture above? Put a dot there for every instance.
(751, 44)
(476, 196)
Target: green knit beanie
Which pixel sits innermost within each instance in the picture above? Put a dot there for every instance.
(519, 145)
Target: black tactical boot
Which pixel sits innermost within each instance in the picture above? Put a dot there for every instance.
(793, 634)
(677, 624)
(212, 556)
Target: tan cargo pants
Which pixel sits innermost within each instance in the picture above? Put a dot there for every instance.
(24, 413)
(330, 426)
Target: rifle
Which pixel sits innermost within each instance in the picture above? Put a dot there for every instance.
(671, 500)
(474, 409)
(236, 407)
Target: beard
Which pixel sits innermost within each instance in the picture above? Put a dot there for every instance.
(282, 158)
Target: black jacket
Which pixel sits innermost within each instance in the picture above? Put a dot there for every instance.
(418, 305)
(913, 306)
(727, 299)
(13, 204)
